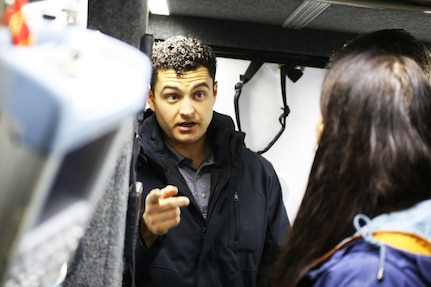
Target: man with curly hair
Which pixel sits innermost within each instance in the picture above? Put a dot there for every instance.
(213, 212)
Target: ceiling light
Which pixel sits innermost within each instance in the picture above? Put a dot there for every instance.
(304, 14)
(159, 7)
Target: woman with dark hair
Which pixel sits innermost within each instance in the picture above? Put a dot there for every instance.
(365, 219)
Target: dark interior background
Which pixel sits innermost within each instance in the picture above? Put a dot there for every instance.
(303, 32)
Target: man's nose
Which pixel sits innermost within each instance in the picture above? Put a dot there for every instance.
(187, 107)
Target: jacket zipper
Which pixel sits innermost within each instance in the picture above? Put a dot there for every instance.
(236, 211)
(215, 196)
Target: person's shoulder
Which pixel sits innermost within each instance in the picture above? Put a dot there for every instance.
(358, 264)
(346, 268)
(255, 156)
(224, 121)
(257, 163)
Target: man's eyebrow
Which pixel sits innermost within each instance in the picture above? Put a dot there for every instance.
(198, 85)
(170, 87)
(203, 84)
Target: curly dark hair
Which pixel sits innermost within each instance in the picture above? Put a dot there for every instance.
(182, 54)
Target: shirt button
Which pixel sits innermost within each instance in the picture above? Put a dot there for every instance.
(204, 194)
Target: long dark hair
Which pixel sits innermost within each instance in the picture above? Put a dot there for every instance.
(373, 156)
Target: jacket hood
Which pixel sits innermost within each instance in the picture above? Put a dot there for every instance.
(414, 220)
(367, 253)
(356, 264)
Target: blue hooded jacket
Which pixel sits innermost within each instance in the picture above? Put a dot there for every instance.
(364, 260)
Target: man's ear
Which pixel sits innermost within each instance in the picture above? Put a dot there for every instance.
(215, 88)
(150, 100)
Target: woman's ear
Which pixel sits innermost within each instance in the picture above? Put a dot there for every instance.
(319, 128)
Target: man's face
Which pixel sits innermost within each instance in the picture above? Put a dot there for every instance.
(183, 105)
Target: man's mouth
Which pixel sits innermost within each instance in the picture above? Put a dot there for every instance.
(188, 124)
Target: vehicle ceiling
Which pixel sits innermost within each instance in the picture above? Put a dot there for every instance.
(287, 30)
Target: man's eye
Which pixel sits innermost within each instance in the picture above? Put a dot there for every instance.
(200, 95)
(171, 98)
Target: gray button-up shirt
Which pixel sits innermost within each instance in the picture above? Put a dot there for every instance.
(198, 180)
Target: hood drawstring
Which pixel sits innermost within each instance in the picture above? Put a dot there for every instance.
(366, 233)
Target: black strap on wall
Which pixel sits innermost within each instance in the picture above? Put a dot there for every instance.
(250, 72)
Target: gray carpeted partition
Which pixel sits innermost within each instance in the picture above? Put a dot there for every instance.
(99, 259)
(125, 20)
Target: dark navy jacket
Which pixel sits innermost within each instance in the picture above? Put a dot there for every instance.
(237, 244)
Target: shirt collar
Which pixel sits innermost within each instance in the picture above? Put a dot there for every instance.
(180, 159)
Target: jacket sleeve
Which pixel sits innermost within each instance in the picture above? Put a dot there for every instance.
(145, 255)
(143, 258)
(278, 225)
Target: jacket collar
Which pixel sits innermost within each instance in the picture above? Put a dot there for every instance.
(221, 133)
(411, 221)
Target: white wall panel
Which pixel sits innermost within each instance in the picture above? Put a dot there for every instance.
(260, 108)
